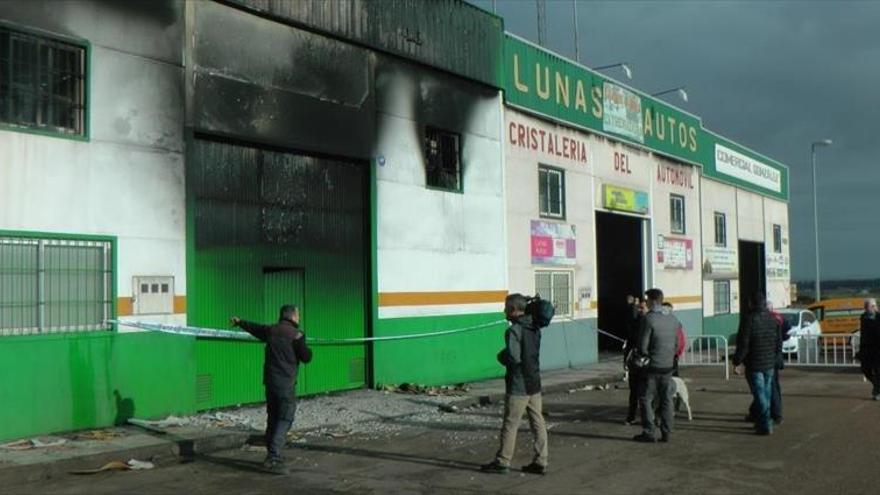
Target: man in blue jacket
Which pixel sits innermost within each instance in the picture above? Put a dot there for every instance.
(521, 353)
(285, 348)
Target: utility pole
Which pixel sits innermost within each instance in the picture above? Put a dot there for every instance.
(577, 45)
(542, 21)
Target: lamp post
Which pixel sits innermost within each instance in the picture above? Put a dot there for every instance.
(680, 90)
(824, 142)
(623, 65)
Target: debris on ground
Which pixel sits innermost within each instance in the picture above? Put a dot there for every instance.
(338, 434)
(131, 465)
(410, 388)
(158, 426)
(448, 408)
(99, 435)
(33, 443)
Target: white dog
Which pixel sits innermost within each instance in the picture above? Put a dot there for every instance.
(681, 393)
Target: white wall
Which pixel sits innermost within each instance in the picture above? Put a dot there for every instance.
(521, 170)
(721, 198)
(438, 241)
(778, 284)
(127, 180)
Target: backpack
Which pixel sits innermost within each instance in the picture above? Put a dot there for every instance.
(541, 311)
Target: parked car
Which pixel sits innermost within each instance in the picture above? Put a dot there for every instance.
(802, 322)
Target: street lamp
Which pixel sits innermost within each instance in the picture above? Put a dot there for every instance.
(681, 92)
(623, 65)
(824, 142)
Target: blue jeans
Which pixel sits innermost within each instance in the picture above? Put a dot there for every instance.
(761, 383)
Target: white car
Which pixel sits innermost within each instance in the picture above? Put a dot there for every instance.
(802, 322)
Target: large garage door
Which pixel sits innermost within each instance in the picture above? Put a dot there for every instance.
(267, 228)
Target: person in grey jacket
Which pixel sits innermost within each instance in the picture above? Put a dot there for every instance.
(657, 341)
(520, 356)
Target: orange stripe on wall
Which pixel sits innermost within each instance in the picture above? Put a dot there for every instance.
(124, 306)
(683, 299)
(179, 305)
(437, 298)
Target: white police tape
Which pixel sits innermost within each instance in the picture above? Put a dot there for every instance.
(238, 335)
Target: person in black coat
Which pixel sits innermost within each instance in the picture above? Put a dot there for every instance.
(758, 346)
(286, 348)
(636, 310)
(869, 346)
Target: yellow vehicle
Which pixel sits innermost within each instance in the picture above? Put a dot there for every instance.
(839, 315)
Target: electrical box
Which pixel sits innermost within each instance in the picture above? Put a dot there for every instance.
(153, 295)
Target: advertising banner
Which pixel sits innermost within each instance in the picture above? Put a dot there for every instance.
(777, 266)
(675, 253)
(623, 199)
(734, 164)
(719, 262)
(622, 112)
(553, 244)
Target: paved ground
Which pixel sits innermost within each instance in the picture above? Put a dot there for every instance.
(828, 445)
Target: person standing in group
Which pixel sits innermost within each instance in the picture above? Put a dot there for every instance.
(636, 310)
(776, 392)
(869, 346)
(657, 343)
(286, 348)
(520, 356)
(758, 345)
(680, 342)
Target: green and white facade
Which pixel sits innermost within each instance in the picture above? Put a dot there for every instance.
(229, 158)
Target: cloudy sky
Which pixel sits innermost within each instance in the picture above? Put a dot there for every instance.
(772, 75)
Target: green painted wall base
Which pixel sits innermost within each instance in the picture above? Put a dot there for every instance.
(723, 325)
(441, 360)
(569, 344)
(691, 320)
(54, 383)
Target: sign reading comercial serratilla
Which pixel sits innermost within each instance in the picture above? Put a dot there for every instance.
(622, 112)
(553, 243)
(735, 164)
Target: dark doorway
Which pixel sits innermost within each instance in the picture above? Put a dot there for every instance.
(752, 275)
(620, 267)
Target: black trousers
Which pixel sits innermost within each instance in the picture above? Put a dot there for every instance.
(871, 370)
(635, 379)
(280, 412)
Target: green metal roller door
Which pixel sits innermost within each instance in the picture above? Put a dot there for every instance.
(268, 228)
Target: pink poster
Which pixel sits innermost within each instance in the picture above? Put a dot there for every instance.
(553, 243)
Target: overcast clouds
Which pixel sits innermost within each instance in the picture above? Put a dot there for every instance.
(774, 76)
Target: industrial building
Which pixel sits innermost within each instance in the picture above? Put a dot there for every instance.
(394, 170)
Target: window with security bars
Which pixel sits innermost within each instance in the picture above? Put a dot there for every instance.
(42, 83)
(54, 285)
(777, 238)
(555, 286)
(443, 160)
(551, 192)
(720, 229)
(676, 214)
(721, 294)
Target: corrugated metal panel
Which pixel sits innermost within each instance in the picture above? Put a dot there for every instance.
(258, 211)
(448, 34)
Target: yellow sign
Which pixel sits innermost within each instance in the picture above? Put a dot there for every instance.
(623, 199)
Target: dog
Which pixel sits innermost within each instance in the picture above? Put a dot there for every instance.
(680, 396)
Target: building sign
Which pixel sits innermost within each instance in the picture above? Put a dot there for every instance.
(553, 243)
(777, 266)
(737, 165)
(675, 253)
(675, 175)
(622, 112)
(623, 199)
(545, 83)
(547, 140)
(719, 262)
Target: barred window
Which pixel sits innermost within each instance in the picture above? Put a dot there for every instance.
(777, 238)
(676, 214)
(555, 286)
(720, 229)
(42, 83)
(551, 192)
(722, 297)
(443, 160)
(54, 285)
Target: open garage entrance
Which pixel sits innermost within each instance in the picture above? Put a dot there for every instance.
(752, 272)
(620, 265)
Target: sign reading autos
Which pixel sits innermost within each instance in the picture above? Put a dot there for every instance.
(734, 164)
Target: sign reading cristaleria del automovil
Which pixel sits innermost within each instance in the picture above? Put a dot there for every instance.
(547, 139)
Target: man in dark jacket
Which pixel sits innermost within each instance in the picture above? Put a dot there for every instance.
(521, 353)
(285, 348)
(636, 310)
(869, 346)
(758, 346)
(657, 341)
